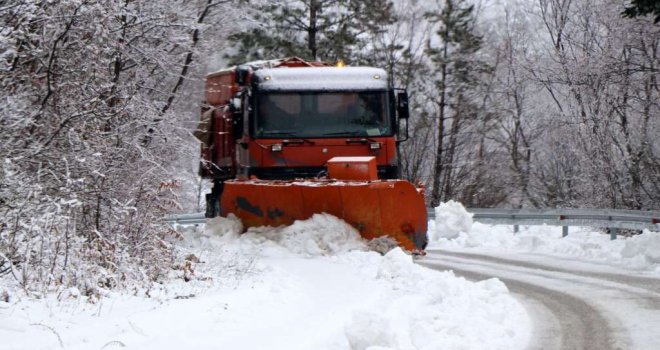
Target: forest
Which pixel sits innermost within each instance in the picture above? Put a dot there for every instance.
(514, 104)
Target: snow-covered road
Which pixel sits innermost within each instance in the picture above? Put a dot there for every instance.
(573, 305)
(316, 285)
(312, 285)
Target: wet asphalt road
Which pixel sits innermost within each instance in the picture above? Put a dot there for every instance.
(569, 308)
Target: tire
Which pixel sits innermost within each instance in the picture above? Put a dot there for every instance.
(213, 200)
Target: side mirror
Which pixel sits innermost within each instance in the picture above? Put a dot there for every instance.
(404, 113)
(402, 105)
(241, 75)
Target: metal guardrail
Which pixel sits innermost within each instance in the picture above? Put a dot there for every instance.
(612, 219)
(186, 219)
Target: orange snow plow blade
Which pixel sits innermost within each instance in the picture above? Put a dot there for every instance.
(393, 208)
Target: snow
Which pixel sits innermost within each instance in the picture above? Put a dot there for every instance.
(451, 219)
(322, 78)
(618, 279)
(352, 159)
(311, 285)
(314, 285)
(454, 230)
(322, 235)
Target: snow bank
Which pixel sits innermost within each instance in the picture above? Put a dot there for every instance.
(311, 285)
(640, 252)
(451, 219)
(427, 309)
(645, 249)
(322, 234)
(229, 228)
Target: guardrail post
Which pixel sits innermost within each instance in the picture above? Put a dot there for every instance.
(516, 228)
(613, 232)
(564, 228)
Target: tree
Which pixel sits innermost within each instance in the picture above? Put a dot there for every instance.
(514, 123)
(312, 29)
(603, 79)
(457, 68)
(643, 8)
(80, 196)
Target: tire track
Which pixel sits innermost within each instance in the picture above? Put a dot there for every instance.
(562, 320)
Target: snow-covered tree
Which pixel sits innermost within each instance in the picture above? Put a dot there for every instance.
(457, 72)
(89, 130)
(328, 30)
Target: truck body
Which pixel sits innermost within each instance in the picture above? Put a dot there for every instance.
(269, 129)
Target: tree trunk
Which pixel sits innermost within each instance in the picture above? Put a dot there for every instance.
(448, 186)
(437, 168)
(312, 29)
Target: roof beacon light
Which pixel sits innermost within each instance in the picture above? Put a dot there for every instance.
(267, 78)
(340, 63)
(376, 76)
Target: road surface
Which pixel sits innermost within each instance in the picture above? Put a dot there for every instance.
(573, 306)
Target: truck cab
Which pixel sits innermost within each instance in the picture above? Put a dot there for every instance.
(284, 119)
(297, 119)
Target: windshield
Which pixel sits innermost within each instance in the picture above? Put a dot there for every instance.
(322, 114)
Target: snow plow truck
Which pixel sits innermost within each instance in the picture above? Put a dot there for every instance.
(284, 139)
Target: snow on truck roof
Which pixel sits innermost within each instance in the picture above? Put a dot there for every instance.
(322, 78)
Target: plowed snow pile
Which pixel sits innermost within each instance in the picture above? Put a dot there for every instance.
(453, 229)
(311, 285)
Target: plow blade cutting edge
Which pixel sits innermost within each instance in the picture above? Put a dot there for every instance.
(393, 208)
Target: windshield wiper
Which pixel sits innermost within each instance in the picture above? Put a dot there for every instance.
(344, 133)
(278, 133)
(296, 139)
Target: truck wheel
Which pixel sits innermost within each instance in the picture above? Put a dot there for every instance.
(213, 200)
